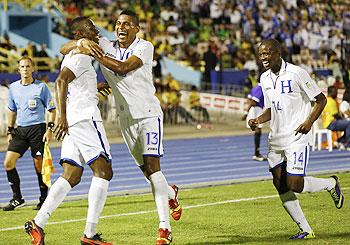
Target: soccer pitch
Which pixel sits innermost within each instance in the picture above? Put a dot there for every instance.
(249, 213)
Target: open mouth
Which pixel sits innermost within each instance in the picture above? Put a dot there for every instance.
(265, 63)
(122, 34)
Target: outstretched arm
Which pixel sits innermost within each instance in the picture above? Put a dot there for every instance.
(121, 68)
(92, 47)
(305, 127)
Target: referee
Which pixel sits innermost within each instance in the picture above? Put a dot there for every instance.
(27, 101)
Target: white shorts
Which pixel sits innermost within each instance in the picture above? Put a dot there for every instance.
(296, 156)
(144, 137)
(254, 112)
(85, 143)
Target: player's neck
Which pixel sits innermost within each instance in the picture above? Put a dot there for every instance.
(126, 44)
(27, 81)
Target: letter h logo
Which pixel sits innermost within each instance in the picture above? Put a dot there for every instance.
(286, 86)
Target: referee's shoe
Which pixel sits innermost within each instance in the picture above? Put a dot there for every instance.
(13, 204)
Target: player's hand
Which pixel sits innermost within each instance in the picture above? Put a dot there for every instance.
(92, 47)
(47, 136)
(81, 50)
(253, 123)
(61, 130)
(304, 128)
(104, 89)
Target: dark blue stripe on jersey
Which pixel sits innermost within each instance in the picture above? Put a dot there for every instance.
(306, 158)
(277, 166)
(70, 161)
(160, 137)
(151, 155)
(295, 174)
(100, 137)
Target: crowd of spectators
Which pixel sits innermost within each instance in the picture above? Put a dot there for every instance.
(209, 34)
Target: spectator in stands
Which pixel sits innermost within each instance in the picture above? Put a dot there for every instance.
(42, 65)
(195, 104)
(28, 98)
(332, 118)
(210, 60)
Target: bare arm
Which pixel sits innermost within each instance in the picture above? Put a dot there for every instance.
(11, 119)
(251, 103)
(320, 103)
(121, 68)
(264, 117)
(48, 135)
(65, 77)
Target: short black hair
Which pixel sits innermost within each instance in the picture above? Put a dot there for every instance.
(272, 43)
(132, 14)
(75, 24)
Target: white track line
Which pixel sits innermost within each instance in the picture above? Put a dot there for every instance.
(152, 211)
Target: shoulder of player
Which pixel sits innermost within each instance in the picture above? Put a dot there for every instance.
(264, 75)
(143, 42)
(15, 84)
(294, 69)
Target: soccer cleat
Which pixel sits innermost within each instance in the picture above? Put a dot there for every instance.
(303, 235)
(13, 204)
(336, 193)
(35, 232)
(95, 240)
(164, 237)
(174, 205)
(259, 158)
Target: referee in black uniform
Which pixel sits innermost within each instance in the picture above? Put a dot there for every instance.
(28, 101)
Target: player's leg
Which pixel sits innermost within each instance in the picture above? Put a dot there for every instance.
(35, 136)
(289, 200)
(298, 182)
(70, 177)
(95, 150)
(17, 147)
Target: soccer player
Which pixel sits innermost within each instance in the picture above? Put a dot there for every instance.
(255, 108)
(84, 139)
(27, 100)
(127, 67)
(288, 90)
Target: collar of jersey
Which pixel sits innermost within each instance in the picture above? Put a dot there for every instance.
(282, 69)
(130, 46)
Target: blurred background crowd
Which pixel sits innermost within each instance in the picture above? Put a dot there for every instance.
(219, 35)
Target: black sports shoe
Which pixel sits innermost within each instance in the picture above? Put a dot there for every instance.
(336, 193)
(96, 239)
(41, 201)
(13, 204)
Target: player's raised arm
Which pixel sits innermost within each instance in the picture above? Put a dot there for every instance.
(90, 46)
(120, 68)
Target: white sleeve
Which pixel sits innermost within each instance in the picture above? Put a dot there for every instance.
(78, 63)
(307, 84)
(105, 44)
(144, 52)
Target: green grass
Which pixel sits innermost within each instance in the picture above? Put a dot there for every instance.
(259, 221)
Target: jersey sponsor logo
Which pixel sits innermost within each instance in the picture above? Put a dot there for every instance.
(298, 168)
(152, 149)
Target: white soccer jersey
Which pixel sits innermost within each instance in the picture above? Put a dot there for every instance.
(288, 95)
(133, 92)
(82, 91)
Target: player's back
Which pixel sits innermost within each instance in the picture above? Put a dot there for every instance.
(82, 97)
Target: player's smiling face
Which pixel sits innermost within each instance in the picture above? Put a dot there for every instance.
(126, 30)
(269, 57)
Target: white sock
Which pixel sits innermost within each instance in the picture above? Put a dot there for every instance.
(97, 198)
(292, 206)
(312, 184)
(171, 192)
(57, 193)
(160, 193)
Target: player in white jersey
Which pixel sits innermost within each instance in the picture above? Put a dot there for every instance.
(84, 139)
(127, 67)
(288, 92)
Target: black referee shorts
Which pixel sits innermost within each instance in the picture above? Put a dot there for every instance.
(29, 136)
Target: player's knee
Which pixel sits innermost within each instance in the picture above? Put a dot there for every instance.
(295, 185)
(106, 174)
(9, 164)
(73, 180)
